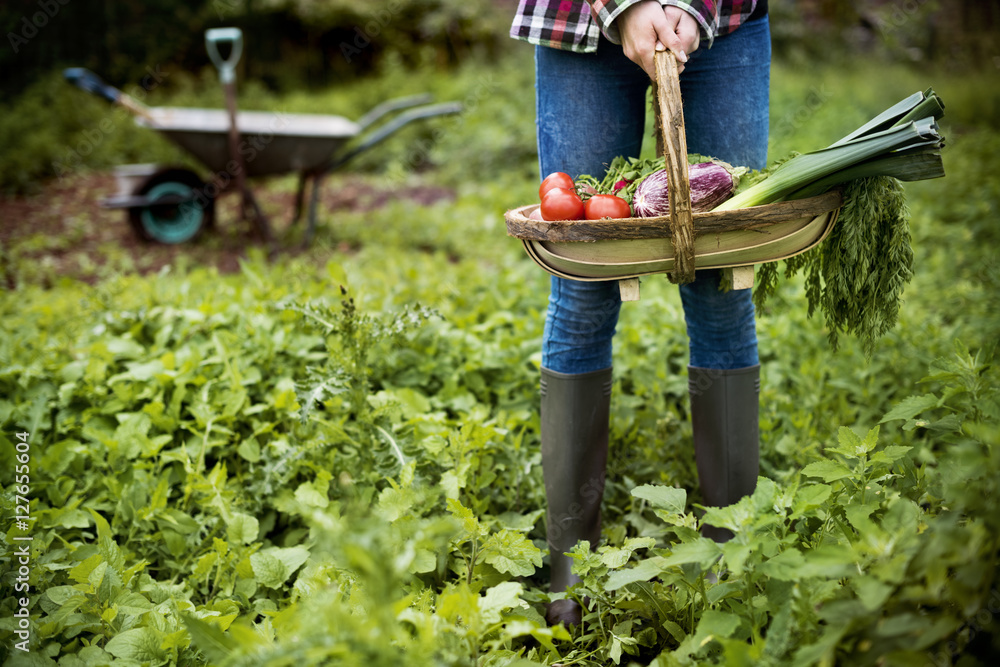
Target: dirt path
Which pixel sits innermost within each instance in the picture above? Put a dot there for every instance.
(64, 231)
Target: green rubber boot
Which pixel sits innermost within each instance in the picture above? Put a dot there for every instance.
(574, 415)
(724, 421)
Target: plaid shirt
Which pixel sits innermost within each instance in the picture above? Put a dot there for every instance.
(576, 25)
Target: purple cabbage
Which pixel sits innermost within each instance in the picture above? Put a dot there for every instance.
(711, 184)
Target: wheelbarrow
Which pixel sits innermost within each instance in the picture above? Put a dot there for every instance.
(173, 204)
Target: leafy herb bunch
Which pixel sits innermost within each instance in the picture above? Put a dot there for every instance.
(858, 274)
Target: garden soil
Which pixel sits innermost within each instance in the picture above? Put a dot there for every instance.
(65, 227)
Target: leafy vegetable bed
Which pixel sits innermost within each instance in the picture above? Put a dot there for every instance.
(262, 469)
(228, 473)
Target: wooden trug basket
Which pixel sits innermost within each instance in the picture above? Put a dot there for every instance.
(676, 244)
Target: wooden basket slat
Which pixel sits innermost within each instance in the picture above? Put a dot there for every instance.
(520, 226)
(669, 113)
(548, 256)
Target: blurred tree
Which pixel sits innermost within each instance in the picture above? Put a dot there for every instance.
(294, 43)
(120, 39)
(290, 42)
(966, 32)
(955, 33)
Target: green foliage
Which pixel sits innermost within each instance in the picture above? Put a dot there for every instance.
(334, 458)
(211, 488)
(856, 560)
(53, 130)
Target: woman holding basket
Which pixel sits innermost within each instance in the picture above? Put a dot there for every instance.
(593, 64)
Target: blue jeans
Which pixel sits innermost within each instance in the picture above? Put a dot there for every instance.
(591, 108)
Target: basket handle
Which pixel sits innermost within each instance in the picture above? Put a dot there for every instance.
(671, 142)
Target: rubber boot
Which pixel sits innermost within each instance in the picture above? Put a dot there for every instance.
(574, 422)
(724, 420)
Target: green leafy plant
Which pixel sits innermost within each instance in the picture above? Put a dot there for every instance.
(256, 468)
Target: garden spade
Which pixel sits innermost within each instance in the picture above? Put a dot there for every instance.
(227, 76)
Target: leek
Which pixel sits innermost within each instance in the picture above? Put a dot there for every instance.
(897, 132)
(919, 165)
(857, 275)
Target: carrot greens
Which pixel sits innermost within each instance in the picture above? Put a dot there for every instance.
(857, 275)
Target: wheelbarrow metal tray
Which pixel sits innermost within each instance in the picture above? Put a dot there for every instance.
(271, 142)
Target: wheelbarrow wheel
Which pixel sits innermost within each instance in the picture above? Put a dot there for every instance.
(172, 223)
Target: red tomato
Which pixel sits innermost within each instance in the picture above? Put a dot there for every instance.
(562, 204)
(556, 179)
(606, 206)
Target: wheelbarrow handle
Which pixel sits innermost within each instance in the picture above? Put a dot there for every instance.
(388, 107)
(226, 66)
(86, 80)
(390, 128)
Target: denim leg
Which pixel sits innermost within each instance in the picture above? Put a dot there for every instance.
(591, 108)
(721, 325)
(579, 325)
(726, 101)
(726, 96)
